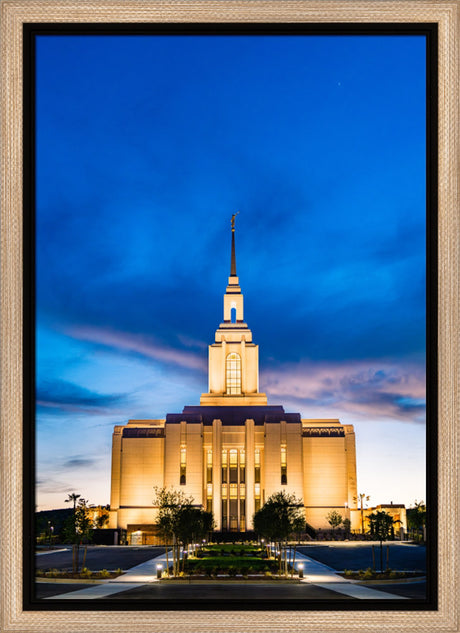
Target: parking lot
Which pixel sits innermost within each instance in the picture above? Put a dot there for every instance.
(98, 557)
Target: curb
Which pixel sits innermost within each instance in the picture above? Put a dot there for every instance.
(76, 581)
(229, 582)
(390, 581)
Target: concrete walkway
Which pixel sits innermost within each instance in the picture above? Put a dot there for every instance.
(323, 576)
(135, 577)
(52, 551)
(314, 573)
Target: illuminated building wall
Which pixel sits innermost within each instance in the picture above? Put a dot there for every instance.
(234, 450)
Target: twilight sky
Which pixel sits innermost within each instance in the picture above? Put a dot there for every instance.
(146, 145)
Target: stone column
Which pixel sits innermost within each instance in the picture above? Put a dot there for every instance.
(249, 447)
(217, 473)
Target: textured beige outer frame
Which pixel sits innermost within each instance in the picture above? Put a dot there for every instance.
(13, 14)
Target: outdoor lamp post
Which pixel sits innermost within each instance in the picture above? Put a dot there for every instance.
(159, 571)
(300, 570)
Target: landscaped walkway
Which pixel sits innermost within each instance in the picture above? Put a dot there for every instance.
(314, 573)
(136, 576)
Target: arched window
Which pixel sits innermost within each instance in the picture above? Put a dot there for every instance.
(233, 373)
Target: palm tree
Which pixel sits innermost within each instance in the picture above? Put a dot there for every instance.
(72, 497)
(362, 497)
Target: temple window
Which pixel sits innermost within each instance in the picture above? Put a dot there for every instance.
(233, 373)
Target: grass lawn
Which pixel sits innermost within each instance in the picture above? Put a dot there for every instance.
(232, 560)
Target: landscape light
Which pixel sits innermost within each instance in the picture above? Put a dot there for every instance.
(300, 570)
(159, 570)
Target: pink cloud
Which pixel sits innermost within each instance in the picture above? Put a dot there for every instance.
(140, 345)
(366, 389)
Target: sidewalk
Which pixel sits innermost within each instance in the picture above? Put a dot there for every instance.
(135, 577)
(323, 576)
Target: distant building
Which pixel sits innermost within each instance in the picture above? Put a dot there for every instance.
(396, 510)
(234, 450)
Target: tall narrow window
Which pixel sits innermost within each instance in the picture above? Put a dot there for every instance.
(242, 467)
(209, 467)
(183, 465)
(256, 497)
(233, 373)
(257, 466)
(233, 454)
(224, 467)
(283, 466)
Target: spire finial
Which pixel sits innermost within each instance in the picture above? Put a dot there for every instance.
(233, 261)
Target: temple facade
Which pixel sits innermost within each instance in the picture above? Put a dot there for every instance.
(233, 450)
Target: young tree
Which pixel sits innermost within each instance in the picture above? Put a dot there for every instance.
(179, 522)
(380, 527)
(78, 529)
(169, 503)
(103, 518)
(334, 519)
(193, 524)
(347, 527)
(416, 516)
(277, 519)
(298, 526)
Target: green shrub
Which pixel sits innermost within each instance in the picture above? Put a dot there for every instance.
(39, 572)
(53, 573)
(368, 574)
(104, 574)
(119, 571)
(232, 571)
(348, 572)
(268, 574)
(86, 573)
(394, 574)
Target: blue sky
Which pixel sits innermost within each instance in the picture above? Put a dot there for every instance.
(146, 145)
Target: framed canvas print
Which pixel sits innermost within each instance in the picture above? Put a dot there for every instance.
(229, 303)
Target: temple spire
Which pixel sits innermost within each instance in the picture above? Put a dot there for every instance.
(233, 260)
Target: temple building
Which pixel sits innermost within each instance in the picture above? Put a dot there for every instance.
(233, 450)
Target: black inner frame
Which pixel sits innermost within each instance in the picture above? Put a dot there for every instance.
(30, 31)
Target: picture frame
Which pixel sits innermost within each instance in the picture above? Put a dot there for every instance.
(14, 15)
